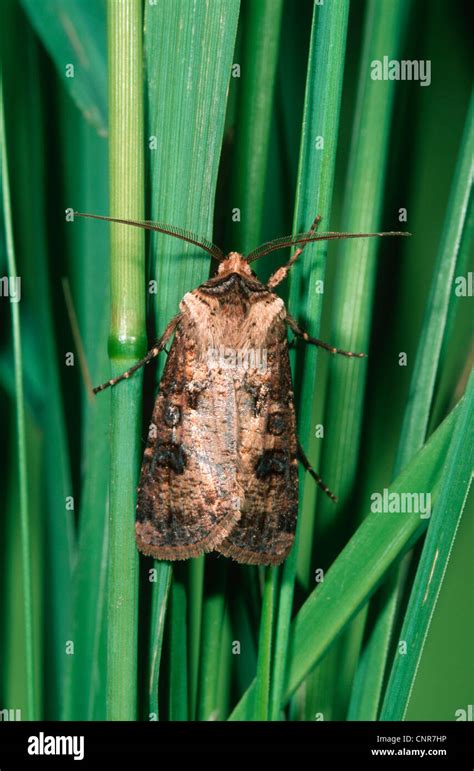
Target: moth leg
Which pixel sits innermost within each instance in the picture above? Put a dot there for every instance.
(150, 355)
(293, 324)
(280, 274)
(300, 454)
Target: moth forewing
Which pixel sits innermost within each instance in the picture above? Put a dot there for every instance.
(185, 503)
(267, 451)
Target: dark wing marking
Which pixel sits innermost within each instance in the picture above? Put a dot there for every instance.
(267, 455)
(187, 501)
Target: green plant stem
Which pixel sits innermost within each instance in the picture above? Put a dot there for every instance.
(31, 704)
(126, 345)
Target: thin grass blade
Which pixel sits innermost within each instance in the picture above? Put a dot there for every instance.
(454, 488)
(26, 559)
(260, 29)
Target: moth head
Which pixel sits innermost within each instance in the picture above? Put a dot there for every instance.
(234, 263)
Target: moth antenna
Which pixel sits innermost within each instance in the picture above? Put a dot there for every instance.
(306, 238)
(170, 230)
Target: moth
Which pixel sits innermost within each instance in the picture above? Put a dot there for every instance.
(220, 468)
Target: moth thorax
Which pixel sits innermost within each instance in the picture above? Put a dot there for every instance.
(235, 263)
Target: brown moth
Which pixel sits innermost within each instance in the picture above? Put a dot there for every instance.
(219, 471)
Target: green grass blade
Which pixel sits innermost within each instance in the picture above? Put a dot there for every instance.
(86, 247)
(368, 680)
(225, 664)
(186, 114)
(455, 483)
(14, 676)
(353, 577)
(443, 685)
(368, 687)
(178, 697)
(353, 297)
(159, 606)
(370, 552)
(209, 634)
(74, 33)
(242, 619)
(265, 642)
(315, 184)
(126, 345)
(441, 296)
(453, 355)
(260, 36)
(86, 700)
(211, 639)
(356, 266)
(30, 214)
(27, 585)
(196, 585)
(260, 30)
(316, 176)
